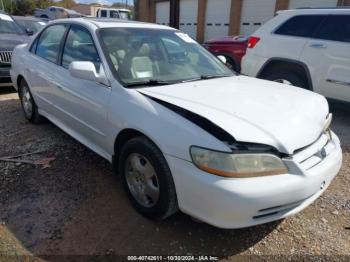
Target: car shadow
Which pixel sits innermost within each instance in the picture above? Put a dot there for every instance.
(77, 207)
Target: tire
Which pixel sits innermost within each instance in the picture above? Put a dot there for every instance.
(143, 168)
(29, 107)
(291, 78)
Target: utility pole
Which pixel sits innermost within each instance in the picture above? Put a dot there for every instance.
(174, 14)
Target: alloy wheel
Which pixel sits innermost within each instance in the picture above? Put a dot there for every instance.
(142, 180)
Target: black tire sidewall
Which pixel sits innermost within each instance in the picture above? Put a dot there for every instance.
(146, 148)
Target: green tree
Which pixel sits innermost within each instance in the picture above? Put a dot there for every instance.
(66, 3)
(24, 7)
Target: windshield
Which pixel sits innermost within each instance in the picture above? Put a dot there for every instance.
(31, 25)
(159, 56)
(8, 26)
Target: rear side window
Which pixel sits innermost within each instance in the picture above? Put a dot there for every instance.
(302, 26)
(336, 28)
(49, 42)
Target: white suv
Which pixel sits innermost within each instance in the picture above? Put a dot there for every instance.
(308, 48)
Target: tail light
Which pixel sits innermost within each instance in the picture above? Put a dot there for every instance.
(253, 40)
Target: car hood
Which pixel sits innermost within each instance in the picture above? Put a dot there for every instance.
(252, 110)
(9, 41)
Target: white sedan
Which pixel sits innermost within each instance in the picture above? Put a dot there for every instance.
(183, 131)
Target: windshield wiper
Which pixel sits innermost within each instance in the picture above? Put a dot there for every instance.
(150, 82)
(205, 77)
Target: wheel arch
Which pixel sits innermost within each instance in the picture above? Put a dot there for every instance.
(19, 79)
(287, 63)
(124, 136)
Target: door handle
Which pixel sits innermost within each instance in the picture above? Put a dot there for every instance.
(318, 45)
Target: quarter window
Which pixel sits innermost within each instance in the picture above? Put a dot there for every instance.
(336, 28)
(302, 26)
(80, 47)
(49, 42)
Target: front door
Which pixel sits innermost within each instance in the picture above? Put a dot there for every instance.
(83, 104)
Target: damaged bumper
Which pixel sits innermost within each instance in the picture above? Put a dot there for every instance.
(237, 203)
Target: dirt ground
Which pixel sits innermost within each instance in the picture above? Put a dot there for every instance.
(75, 206)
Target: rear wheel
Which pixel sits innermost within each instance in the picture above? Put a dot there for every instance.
(147, 179)
(289, 78)
(30, 109)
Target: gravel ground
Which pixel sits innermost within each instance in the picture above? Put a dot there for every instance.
(73, 205)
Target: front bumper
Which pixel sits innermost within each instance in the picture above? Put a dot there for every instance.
(244, 202)
(5, 77)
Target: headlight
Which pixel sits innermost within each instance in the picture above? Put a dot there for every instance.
(237, 165)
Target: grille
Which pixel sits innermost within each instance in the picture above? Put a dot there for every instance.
(5, 57)
(314, 154)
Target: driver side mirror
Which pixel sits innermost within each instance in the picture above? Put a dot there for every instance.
(29, 32)
(86, 70)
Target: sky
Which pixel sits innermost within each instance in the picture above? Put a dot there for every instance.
(103, 1)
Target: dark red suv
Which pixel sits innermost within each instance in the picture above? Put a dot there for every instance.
(233, 48)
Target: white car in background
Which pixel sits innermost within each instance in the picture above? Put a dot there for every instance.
(183, 131)
(308, 48)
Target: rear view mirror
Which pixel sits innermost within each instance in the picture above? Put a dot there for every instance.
(86, 70)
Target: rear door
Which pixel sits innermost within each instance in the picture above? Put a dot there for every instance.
(41, 69)
(328, 57)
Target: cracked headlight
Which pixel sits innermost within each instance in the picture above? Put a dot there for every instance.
(239, 165)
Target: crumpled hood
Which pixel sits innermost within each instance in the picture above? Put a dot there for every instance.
(9, 41)
(252, 110)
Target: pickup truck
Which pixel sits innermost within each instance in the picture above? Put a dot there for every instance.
(54, 12)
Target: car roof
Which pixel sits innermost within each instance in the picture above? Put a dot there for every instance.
(94, 23)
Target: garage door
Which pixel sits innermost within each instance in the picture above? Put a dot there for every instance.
(188, 17)
(162, 13)
(217, 19)
(256, 13)
(312, 3)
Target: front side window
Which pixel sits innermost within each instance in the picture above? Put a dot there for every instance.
(49, 42)
(8, 26)
(80, 47)
(302, 26)
(139, 55)
(336, 28)
(31, 25)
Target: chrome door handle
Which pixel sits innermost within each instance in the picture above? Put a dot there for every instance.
(318, 45)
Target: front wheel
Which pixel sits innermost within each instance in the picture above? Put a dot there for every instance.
(147, 179)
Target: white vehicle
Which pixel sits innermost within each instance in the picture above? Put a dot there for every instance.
(182, 130)
(119, 13)
(308, 48)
